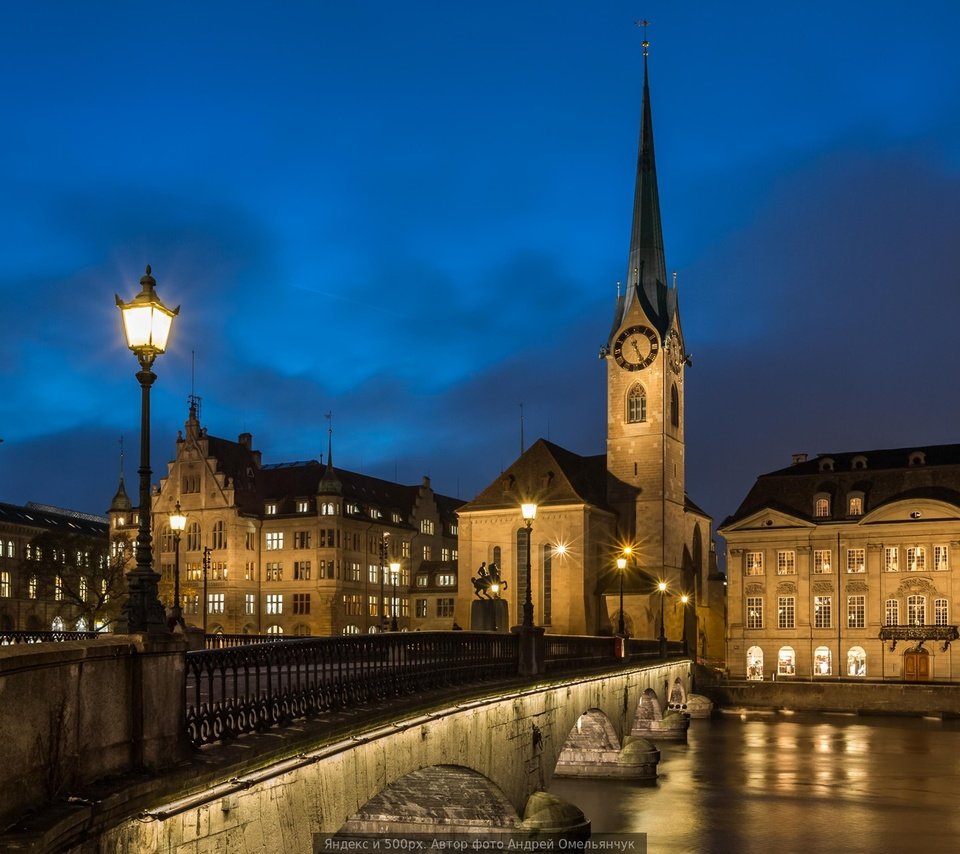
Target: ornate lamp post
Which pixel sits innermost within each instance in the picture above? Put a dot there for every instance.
(394, 572)
(383, 562)
(146, 324)
(662, 587)
(529, 512)
(178, 521)
(622, 566)
(685, 600)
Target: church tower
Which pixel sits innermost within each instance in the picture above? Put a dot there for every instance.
(645, 382)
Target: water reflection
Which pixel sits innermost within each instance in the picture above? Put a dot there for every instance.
(796, 783)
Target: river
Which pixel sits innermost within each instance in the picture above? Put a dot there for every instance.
(782, 783)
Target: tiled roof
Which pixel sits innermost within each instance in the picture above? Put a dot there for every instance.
(54, 519)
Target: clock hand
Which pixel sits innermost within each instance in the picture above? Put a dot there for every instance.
(636, 347)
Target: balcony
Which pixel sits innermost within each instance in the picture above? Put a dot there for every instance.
(920, 634)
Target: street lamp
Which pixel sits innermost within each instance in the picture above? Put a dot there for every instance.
(178, 521)
(684, 599)
(662, 587)
(394, 571)
(146, 324)
(383, 561)
(622, 566)
(529, 512)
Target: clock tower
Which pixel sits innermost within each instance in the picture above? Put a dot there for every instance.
(645, 381)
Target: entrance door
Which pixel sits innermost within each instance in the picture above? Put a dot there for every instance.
(916, 665)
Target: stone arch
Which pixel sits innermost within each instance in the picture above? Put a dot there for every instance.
(677, 702)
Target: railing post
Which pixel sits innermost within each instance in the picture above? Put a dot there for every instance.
(533, 650)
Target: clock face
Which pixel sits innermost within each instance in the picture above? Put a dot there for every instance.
(676, 354)
(636, 348)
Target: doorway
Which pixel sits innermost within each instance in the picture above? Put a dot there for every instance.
(916, 665)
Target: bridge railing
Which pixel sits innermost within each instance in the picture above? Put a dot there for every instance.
(578, 652)
(8, 638)
(241, 689)
(220, 641)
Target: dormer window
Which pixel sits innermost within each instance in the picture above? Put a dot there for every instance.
(821, 507)
(826, 464)
(858, 462)
(918, 458)
(855, 505)
(270, 509)
(303, 506)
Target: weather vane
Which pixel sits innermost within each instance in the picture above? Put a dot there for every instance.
(646, 44)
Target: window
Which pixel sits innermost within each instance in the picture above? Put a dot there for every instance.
(190, 483)
(454, 529)
(352, 508)
(855, 506)
(5, 585)
(916, 559)
(328, 508)
(194, 538)
(251, 540)
(405, 548)
(250, 603)
(274, 629)
(423, 580)
(301, 571)
(822, 663)
(421, 606)
(270, 509)
(11, 549)
(218, 570)
(822, 612)
(373, 606)
(856, 560)
(426, 526)
(218, 537)
(753, 563)
(754, 663)
(822, 561)
(444, 607)
(821, 508)
(940, 562)
(58, 588)
(446, 579)
(787, 563)
(754, 612)
(274, 603)
(375, 513)
(856, 661)
(444, 554)
(786, 612)
(274, 571)
(356, 571)
(215, 603)
(856, 612)
(547, 609)
(636, 405)
(940, 612)
(454, 554)
(786, 661)
(166, 539)
(352, 604)
(891, 612)
(248, 571)
(916, 610)
(32, 587)
(301, 603)
(891, 559)
(428, 552)
(274, 540)
(191, 603)
(303, 506)
(57, 624)
(82, 589)
(351, 630)
(373, 573)
(301, 539)
(674, 407)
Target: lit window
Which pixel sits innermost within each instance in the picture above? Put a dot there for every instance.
(270, 509)
(426, 526)
(856, 560)
(446, 579)
(274, 603)
(428, 552)
(753, 563)
(856, 661)
(423, 580)
(786, 563)
(822, 612)
(754, 612)
(397, 519)
(273, 571)
(352, 507)
(822, 561)
(856, 612)
(351, 630)
(274, 630)
(250, 603)
(218, 570)
(191, 603)
(916, 610)
(444, 554)
(58, 588)
(303, 506)
(454, 529)
(57, 624)
(352, 604)
(855, 506)
(421, 605)
(940, 561)
(821, 508)
(444, 607)
(373, 573)
(891, 559)
(636, 405)
(754, 663)
(5, 585)
(215, 603)
(376, 513)
(940, 612)
(822, 661)
(373, 606)
(891, 612)
(274, 540)
(786, 612)
(328, 508)
(32, 587)
(916, 559)
(405, 548)
(82, 588)
(786, 661)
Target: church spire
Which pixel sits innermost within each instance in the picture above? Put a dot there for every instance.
(121, 501)
(646, 268)
(329, 484)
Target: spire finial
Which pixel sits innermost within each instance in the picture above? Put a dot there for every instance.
(329, 417)
(121, 459)
(646, 43)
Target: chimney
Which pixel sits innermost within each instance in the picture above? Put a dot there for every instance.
(245, 440)
(796, 459)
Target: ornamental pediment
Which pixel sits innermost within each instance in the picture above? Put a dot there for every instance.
(910, 510)
(916, 585)
(753, 589)
(822, 587)
(766, 520)
(786, 587)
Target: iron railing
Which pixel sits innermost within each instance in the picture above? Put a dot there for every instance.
(578, 652)
(8, 638)
(254, 687)
(639, 649)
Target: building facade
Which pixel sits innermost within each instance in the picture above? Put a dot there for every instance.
(298, 548)
(629, 502)
(848, 565)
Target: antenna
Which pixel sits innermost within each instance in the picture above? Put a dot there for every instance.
(618, 289)
(521, 429)
(329, 417)
(121, 458)
(674, 279)
(646, 44)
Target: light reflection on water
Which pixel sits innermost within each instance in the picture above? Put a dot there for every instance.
(800, 783)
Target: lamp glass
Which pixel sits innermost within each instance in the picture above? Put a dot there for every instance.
(178, 519)
(662, 586)
(621, 563)
(394, 567)
(529, 511)
(146, 326)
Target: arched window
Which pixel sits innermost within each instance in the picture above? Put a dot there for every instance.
(674, 406)
(193, 537)
(351, 630)
(301, 630)
(786, 661)
(166, 539)
(547, 611)
(856, 661)
(496, 555)
(821, 507)
(219, 536)
(822, 661)
(57, 624)
(274, 630)
(523, 543)
(82, 624)
(82, 591)
(636, 404)
(328, 508)
(754, 663)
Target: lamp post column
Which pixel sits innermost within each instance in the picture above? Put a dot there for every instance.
(622, 566)
(662, 587)
(685, 600)
(528, 595)
(394, 571)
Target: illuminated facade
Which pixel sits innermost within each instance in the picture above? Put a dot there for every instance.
(300, 548)
(848, 565)
(591, 508)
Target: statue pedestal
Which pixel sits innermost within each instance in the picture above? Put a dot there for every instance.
(489, 615)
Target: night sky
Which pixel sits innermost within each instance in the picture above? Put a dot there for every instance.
(414, 215)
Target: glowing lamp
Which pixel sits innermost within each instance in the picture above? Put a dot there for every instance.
(146, 320)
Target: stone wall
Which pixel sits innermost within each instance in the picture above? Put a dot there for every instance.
(513, 740)
(74, 712)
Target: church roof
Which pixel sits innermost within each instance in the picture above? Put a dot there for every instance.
(882, 476)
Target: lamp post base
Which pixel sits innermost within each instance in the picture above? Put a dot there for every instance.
(533, 650)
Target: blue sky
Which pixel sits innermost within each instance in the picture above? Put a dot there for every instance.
(415, 215)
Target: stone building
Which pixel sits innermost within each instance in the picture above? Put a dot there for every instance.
(56, 572)
(848, 565)
(300, 548)
(592, 508)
